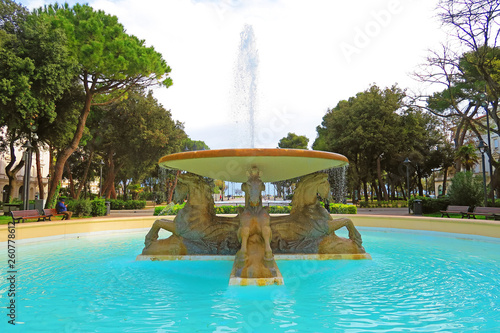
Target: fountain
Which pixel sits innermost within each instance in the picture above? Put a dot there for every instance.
(244, 97)
(253, 237)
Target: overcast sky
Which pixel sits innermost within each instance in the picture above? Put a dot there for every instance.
(312, 54)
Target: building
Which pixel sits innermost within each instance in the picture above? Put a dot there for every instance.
(34, 191)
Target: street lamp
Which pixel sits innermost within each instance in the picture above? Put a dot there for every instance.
(407, 163)
(27, 169)
(483, 148)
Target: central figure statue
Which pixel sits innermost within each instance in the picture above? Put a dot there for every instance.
(255, 257)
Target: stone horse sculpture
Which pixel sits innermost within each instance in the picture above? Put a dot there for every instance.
(255, 257)
(196, 228)
(310, 228)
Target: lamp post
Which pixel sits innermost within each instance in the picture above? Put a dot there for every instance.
(407, 163)
(27, 169)
(482, 148)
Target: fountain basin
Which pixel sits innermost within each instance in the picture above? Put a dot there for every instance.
(453, 289)
(233, 164)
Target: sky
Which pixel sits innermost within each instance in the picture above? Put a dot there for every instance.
(312, 54)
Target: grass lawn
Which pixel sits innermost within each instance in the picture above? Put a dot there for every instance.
(5, 219)
(455, 216)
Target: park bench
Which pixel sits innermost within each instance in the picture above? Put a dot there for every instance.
(53, 212)
(487, 212)
(464, 210)
(21, 215)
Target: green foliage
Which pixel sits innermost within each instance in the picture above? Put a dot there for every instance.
(191, 145)
(466, 190)
(98, 207)
(134, 204)
(294, 141)
(80, 208)
(280, 209)
(117, 204)
(227, 209)
(170, 209)
(430, 205)
(468, 156)
(336, 208)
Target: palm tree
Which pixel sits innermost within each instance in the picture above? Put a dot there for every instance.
(467, 155)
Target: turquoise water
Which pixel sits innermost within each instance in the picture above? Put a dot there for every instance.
(415, 282)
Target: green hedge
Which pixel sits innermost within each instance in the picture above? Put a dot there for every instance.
(168, 210)
(98, 207)
(334, 209)
(85, 207)
(383, 204)
(430, 205)
(117, 204)
(80, 208)
(343, 209)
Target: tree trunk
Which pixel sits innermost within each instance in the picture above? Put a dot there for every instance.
(113, 192)
(377, 191)
(365, 189)
(71, 183)
(11, 169)
(380, 181)
(66, 153)
(445, 180)
(172, 189)
(39, 176)
(85, 174)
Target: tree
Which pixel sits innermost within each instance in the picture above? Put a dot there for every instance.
(109, 61)
(471, 79)
(468, 156)
(465, 189)
(294, 141)
(364, 128)
(132, 136)
(35, 70)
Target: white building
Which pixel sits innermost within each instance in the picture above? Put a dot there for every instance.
(18, 184)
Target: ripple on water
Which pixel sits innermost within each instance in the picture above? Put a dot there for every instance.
(414, 282)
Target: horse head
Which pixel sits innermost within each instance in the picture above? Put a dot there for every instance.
(308, 188)
(192, 187)
(253, 188)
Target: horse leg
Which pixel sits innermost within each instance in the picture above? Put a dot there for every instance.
(243, 234)
(354, 234)
(152, 235)
(266, 234)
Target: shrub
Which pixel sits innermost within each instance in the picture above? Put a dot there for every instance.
(170, 209)
(134, 204)
(98, 207)
(337, 208)
(80, 208)
(117, 204)
(430, 205)
(466, 190)
(280, 209)
(364, 204)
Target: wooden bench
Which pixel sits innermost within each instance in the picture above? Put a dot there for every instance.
(53, 212)
(487, 212)
(464, 210)
(21, 215)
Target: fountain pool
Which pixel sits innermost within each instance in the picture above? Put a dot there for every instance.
(422, 281)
